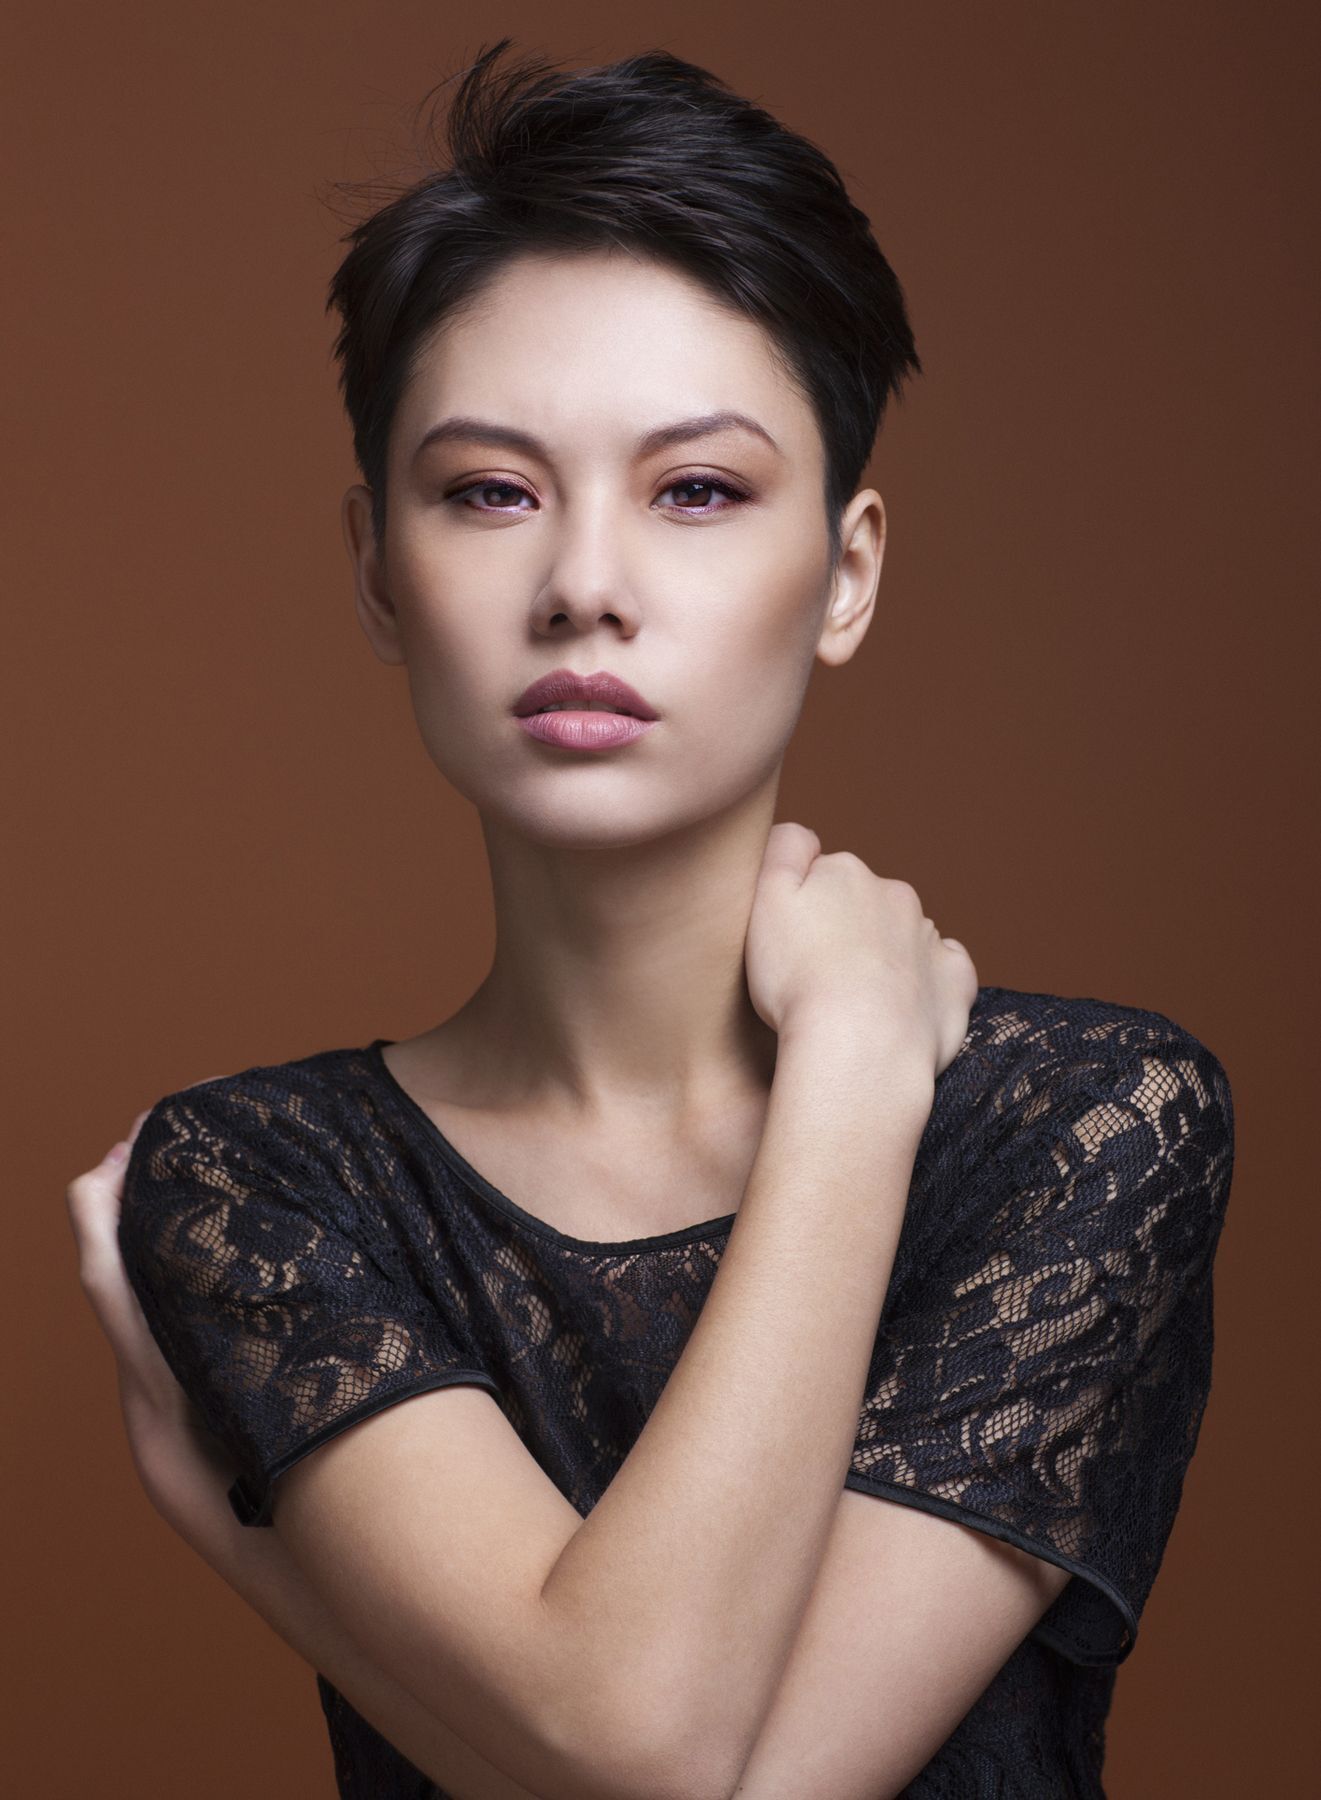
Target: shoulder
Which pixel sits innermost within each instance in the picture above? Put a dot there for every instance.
(1105, 1104)
(292, 1129)
(1073, 1040)
(1093, 1093)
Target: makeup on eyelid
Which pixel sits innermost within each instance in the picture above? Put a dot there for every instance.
(735, 496)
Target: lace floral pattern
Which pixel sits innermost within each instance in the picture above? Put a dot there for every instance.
(308, 1249)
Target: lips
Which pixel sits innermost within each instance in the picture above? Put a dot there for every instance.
(562, 687)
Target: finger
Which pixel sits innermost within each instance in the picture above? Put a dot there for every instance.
(94, 1209)
(93, 1198)
(792, 848)
(972, 981)
(93, 1201)
(85, 1194)
(140, 1119)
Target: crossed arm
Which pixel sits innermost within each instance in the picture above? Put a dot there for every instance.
(801, 1639)
(909, 1619)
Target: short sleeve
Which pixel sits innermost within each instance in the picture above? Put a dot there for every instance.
(1044, 1380)
(261, 1289)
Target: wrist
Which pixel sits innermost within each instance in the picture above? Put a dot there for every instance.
(847, 1043)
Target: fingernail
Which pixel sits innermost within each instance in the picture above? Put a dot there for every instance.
(117, 1154)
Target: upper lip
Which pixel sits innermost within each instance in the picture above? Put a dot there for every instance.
(565, 684)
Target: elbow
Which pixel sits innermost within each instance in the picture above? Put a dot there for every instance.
(626, 1723)
(691, 1752)
(676, 1769)
(676, 1759)
(633, 1751)
(721, 1778)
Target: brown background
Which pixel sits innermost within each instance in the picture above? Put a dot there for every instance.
(1079, 726)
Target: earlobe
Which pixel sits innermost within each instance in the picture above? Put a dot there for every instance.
(375, 609)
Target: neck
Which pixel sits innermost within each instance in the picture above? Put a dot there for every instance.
(618, 977)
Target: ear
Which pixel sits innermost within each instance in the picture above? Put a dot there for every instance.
(376, 612)
(855, 578)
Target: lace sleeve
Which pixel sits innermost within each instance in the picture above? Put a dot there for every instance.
(1044, 1380)
(265, 1300)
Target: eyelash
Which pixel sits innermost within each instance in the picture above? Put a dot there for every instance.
(737, 495)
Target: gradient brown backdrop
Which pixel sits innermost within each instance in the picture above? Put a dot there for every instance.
(1080, 724)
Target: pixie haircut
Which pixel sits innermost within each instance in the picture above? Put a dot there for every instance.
(655, 156)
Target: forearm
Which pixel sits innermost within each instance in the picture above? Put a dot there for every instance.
(256, 1564)
(685, 1585)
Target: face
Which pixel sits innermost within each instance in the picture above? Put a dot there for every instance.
(548, 533)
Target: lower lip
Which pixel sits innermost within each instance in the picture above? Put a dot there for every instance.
(585, 730)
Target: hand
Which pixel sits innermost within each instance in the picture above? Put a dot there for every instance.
(179, 1462)
(827, 933)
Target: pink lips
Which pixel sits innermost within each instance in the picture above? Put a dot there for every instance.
(631, 716)
(585, 730)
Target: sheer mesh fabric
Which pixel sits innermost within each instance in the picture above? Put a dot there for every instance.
(308, 1248)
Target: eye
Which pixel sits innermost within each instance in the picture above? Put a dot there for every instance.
(706, 484)
(689, 485)
(486, 488)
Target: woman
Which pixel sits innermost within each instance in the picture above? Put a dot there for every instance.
(729, 1205)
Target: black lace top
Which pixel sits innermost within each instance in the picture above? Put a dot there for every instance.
(309, 1248)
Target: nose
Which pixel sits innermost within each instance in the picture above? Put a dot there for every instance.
(587, 582)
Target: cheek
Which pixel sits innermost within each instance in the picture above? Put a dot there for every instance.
(457, 683)
(444, 643)
(752, 664)
(462, 727)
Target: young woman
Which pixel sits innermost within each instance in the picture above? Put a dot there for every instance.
(804, 1344)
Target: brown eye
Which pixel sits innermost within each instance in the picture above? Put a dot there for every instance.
(488, 488)
(705, 484)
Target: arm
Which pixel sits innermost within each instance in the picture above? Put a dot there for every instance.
(258, 1566)
(637, 1651)
(1105, 1372)
(689, 1578)
(909, 1618)
(911, 1614)
(580, 1656)
(186, 1472)
(872, 1686)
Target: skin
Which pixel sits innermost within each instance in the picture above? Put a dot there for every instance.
(622, 882)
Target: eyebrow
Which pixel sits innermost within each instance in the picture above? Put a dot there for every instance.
(509, 437)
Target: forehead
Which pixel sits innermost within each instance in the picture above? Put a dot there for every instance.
(593, 349)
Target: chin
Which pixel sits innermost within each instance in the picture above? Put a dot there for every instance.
(584, 822)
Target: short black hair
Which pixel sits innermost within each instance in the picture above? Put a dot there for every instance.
(657, 156)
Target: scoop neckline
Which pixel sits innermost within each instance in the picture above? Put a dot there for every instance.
(487, 1190)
